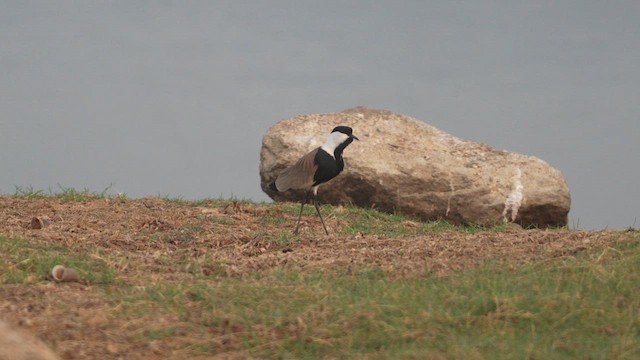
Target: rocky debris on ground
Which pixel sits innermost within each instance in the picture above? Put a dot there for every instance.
(404, 165)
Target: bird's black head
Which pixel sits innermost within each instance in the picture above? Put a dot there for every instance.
(345, 130)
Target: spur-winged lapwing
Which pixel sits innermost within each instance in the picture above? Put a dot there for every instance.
(316, 167)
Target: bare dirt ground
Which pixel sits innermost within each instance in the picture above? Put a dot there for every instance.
(137, 238)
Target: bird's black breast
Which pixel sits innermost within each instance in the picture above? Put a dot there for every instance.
(328, 167)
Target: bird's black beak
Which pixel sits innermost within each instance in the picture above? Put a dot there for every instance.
(355, 137)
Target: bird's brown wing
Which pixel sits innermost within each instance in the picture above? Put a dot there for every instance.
(299, 175)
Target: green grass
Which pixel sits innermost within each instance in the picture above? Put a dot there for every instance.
(67, 193)
(585, 307)
(366, 221)
(371, 221)
(22, 262)
(211, 202)
(28, 192)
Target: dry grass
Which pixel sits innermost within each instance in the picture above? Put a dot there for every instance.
(150, 267)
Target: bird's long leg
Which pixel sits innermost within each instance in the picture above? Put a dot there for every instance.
(304, 200)
(315, 202)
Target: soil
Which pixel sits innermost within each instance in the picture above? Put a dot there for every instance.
(137, 237)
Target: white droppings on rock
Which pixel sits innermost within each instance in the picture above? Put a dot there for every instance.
(514, 200)
(453, 190)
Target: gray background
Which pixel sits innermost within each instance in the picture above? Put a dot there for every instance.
(173, 98)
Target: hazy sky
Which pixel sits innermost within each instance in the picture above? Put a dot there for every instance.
(173, 98)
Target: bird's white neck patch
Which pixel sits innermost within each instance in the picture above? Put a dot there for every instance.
(333, 141)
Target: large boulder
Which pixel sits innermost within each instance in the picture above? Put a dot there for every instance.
(404, 165)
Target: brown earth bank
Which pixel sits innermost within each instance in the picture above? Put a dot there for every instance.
(140, 239)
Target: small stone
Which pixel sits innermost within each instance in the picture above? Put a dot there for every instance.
(112, 348)
(38, 223)
(155, 346)
(57, 272)
(25, 322)
(410, 224)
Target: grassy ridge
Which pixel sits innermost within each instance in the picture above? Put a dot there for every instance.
(586, 307)
(583, 306)
(574, 307)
